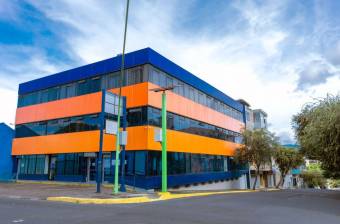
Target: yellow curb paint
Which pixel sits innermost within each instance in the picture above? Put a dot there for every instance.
(101, 201)
(143, 199)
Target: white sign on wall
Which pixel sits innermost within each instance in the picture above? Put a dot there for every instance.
(158, 135)
(111, 127)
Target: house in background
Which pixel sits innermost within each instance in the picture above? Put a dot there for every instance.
(257, 119)
(6, 163)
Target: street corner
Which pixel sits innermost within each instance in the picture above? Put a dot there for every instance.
(160, 196)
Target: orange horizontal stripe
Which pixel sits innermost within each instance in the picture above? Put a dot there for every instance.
(184, 142)
(183, 106)
(139, 138)
(74, 106)
(61, 143)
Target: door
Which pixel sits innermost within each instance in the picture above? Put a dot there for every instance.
(52, 168)
(92, 168)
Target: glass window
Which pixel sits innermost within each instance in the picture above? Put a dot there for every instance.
(137, 116)
(134, 76)
(186, 91)
(201, 98)
(94, 85)
(53, 93)
(182, 124)
(24, 130)
(107, 166)
(52, 127)
(180, 88)
(63, 125)
(154, 117)
(34, 129)
(77, 124)
(176, 163)
(23, 164)
(177, 121)
(82, 87)
(170, 121)
(154, 163)
(70, 90)
(91, 122)
(113, 81)
(33, 98)
(40, 164)
(191, 93)
(162, 79)
(169, 81)
(69, 164)
(140, 160)
(129, 167)
(31, 164)
(44, 96)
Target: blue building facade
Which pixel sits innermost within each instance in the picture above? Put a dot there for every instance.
(6, 162)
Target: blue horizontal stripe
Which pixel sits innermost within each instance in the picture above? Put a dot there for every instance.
(136, 58)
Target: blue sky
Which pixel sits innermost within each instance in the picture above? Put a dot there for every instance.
(277, 55)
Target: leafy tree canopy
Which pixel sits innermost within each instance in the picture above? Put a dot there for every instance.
(257, 149)
(287, 159)
(317, 128)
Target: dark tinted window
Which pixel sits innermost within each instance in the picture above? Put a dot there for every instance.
(53, 93)
(180, 123)
(71, 164)
(82, 87)
(137, 116)
(52, 127)
(43, 96)
(94, 85)
(140, 161)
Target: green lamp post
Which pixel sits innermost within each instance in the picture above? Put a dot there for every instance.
(121, 78)
(164, 140)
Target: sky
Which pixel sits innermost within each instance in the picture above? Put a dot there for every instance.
(277, 55)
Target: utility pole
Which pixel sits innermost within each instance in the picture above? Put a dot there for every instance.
(115, 188)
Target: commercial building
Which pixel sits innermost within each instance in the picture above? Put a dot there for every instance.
(57, 125)
(260, 119)
(6, 163)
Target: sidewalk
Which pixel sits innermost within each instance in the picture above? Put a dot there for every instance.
(41, 190)
(85, 193)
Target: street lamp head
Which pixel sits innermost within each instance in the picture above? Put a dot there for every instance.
(163, 89)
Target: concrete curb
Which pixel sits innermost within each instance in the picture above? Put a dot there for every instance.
(74, 184)
(143, 199)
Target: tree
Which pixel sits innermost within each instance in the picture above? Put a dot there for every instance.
(317, 128)
(256, 149)
(287, 159)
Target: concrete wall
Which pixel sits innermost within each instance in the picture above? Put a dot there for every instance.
(240, 183)
(6, 165)
(270, 181)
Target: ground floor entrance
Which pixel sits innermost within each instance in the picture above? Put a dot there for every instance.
(141, 168)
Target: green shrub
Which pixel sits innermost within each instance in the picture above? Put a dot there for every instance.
(334, 183)
(313, 179)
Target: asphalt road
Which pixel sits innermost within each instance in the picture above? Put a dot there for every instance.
(286, 207)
